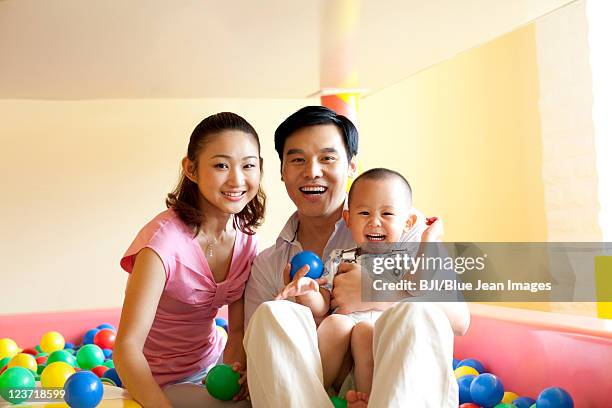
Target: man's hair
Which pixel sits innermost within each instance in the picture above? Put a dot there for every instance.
(312, 116)
(380, 173)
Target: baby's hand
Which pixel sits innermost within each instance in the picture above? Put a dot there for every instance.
(434, 230)
(298, 287)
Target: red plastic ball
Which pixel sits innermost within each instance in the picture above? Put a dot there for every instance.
(99, 370)
(105, 339)
(469, 405)
(30, 351)
(41, 360)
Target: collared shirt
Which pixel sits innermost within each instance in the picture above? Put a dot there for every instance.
(266, 279)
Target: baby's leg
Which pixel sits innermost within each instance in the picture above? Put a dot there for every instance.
(362, 349)
(334, 335)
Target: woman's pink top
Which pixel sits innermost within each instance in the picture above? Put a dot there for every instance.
(183, 339)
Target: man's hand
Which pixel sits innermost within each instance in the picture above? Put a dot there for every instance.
(301, 285)
(346, 295)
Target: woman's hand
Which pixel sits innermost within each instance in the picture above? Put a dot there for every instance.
(244, 386)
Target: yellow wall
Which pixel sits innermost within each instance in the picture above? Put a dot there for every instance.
(80, 178)
(466, 133)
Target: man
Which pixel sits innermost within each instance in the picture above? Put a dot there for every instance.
(412, 341)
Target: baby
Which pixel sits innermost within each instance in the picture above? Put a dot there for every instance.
(379, 210)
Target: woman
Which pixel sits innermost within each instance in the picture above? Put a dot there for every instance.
(186, 263)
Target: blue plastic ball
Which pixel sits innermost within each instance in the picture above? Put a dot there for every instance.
(472, 362)
(68, 346)
(487, 390)
(554, 397)
(83, 390)
(455, 363)
(107, 326)
(112, 375)
(307, 258)
(464, 388)
(523, 402)
(219, 321)
(108, 353)
(88, 338)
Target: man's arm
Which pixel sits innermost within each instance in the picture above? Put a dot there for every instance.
(458, 316)
(346, 294)
(261, 286)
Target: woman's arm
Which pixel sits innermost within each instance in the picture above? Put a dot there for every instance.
(234, 350)
(144, 288)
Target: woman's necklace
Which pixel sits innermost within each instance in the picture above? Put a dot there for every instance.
(209, 247)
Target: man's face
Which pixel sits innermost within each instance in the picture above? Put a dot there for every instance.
(316, 170)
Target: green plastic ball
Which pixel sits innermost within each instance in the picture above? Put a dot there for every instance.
(222, 382)
(108, 381)
(40, 368)
(90, 356)
(109, 364)
(37, 348)
(4, 362)
(504, 405)
(14, 382)
(338, 402)
(62, 355)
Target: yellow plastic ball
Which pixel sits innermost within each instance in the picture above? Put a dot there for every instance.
(222, 332)
(55, 374)
(509, 396)
(8, 348)
(24, 360)
(465, 370)
(52, 341)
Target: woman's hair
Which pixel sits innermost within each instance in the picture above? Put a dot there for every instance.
(185, 197)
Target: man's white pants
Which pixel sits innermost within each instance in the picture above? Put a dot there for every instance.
(413, 347)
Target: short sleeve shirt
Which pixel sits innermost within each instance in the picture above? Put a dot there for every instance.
(183, 339)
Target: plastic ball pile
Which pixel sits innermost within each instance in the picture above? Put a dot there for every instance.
(479, 389)
(56, 364)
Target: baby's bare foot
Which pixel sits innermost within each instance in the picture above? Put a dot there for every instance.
(356, 399)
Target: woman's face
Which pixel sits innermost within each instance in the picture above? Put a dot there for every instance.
(228, 171)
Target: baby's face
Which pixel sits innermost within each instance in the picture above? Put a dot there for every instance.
(379, 211)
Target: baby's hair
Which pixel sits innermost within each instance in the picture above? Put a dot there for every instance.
(381, 173)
